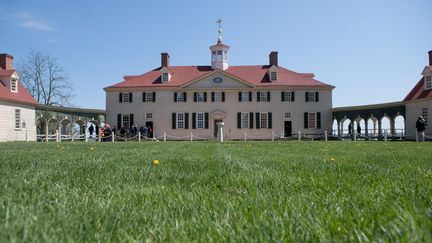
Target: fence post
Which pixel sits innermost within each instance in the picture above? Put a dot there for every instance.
(85, 136)
(273, 135)
(325, 136)
(99, 136)
(112, 137)
(385, 135)
(354, 136)
(245, 137)
(27, 135)
(191, 137)
(299, 136)
(57, 136)
(139, 136)
(72, 136)
(164, 137)
(423, 136)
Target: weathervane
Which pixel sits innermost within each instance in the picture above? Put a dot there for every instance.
(219, 22)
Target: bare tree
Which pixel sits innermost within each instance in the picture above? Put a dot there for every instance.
(45, 79)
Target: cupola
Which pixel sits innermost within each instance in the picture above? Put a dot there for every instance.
(219, 52)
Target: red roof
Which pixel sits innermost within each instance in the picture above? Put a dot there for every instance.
(254, 75)
(418, 92)
(22, 96)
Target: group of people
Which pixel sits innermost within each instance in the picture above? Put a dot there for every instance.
(350, 129)
(146, 131)
(420, 127)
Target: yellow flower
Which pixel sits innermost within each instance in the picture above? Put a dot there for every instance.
(332, 159)
(155, 162)
(91, 148)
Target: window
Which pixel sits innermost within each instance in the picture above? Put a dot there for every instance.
(287, 114)
(200, 120)
(244, 96)
(425, 115)
(263, 96)
(273, 76)
(312, 120)
(149, 116)
(244, 120)
(225, 57)
(17, 119)
(310, 96)
(287, 96)
(126, 97)
(217, 96)
(180, 97)
(428, 82)
(219, 56)
(213, 56)
(200, 96)
(126, 122)
(263, 120)
(14, 85)
(180, 120)
(149, 96)
(165, 77)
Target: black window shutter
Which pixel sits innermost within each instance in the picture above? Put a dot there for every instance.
(282, 96)
(131, 120)
(173, 120)
(316, 96)
(250, 96)
(269, 119)
(223, 96)
(212, 96)
(195, 96)
(205, 96)
(194, 120)
(206, 116)
(258, 97)
(175, 96)
(154, 96)
(240, 95)
(238, 119)
(186, 122)
(144, 96)
(292, 96)
(318, 120)
(184, 96)
(257, 115)
(251, 118)
(130, 97)
(119, 121)
(268, 96)
(306, 117)
(120, 97)
(306, 96)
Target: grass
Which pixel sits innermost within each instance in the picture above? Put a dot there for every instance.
(205, 191)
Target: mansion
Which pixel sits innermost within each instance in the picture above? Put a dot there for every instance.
(258, 100)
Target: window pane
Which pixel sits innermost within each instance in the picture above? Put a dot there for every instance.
(218, 96)
(126, 123)
(17, 118)
(263, 120)
(312, 120)
(263, 96)
(126, 97)
(311, 96)
(180, 120)
(200, 96)
(149, 96)
(287, 96)
(200, 120)
(245, 96)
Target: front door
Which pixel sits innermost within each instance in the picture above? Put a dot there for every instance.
(149, 125)
(216, 127)
(288, 129)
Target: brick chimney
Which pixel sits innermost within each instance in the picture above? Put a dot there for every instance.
(430, 58)
(273, 58)
(165, 58)
(6, 61)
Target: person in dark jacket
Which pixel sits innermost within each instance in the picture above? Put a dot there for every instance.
(421, 127)
(358, 129)
(91, 130)
(349, 129)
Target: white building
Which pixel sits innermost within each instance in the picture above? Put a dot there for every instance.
(418, 102)
(17, 106)
(256, 100)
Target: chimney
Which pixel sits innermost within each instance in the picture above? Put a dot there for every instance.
(165, 59)
(6, 61)
(273, 58)
(430, 58)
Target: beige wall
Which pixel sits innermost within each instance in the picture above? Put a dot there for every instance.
(7, 122)
(413, 111)
(164, 106)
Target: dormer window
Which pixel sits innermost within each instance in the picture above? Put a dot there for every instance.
(273, 76)
(428, 82)
(14, 85)
(165, 77)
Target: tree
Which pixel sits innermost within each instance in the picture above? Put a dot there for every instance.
(45, 79)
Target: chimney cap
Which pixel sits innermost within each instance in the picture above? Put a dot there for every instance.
(6, 55)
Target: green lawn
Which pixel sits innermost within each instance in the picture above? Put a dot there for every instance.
(205, 191)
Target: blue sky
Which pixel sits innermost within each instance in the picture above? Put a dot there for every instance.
(372, 51)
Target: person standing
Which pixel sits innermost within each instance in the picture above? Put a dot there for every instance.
(349, 129)
(421, 127)
(358, 129)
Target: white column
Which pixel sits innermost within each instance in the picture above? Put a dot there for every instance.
(57, 136)
(299, 136)
(112, 137)
(325, 136)
(164, 137)
(245, 137)
(139, 136)
(273, 136)
(85, 136)
(220, 128)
